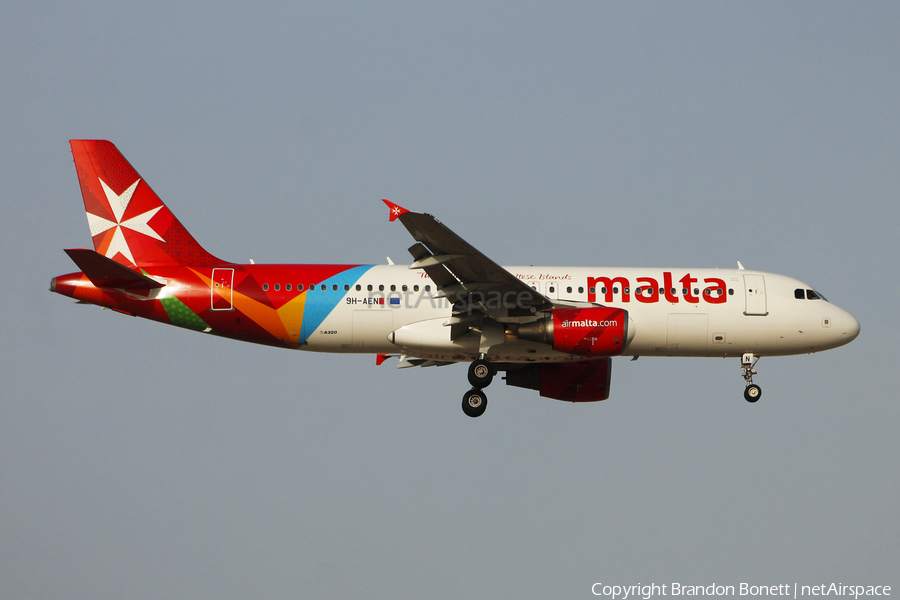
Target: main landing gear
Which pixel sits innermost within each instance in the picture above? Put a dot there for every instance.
(752, 392)
(481, 374)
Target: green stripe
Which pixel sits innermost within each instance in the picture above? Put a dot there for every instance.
(181, 315)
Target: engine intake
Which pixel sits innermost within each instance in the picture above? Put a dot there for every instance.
(594, 331)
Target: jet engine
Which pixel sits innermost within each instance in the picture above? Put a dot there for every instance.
(592, 331)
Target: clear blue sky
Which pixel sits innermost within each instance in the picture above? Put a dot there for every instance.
(138, 461)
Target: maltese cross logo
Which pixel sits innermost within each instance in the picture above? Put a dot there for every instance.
(396, 210)
(117, 204)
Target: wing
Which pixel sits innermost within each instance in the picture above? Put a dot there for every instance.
(478, 287)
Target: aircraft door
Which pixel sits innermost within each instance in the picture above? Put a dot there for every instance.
(755, 294)
(221, 292)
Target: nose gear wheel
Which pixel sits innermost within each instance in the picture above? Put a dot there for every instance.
(752, 392)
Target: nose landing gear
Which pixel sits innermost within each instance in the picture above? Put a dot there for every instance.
(752, 392)
(481, 374)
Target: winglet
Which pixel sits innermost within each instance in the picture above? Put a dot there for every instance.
(396, 209)
(380, 358)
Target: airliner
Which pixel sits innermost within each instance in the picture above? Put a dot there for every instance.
(550, 329)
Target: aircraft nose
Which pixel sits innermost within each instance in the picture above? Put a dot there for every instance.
(850, 327)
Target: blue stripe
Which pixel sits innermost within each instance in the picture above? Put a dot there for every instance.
(319, 304)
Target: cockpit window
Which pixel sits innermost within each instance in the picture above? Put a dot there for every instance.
(812, 295)
(798, 294)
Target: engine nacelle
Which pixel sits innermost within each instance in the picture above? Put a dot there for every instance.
(593, 331)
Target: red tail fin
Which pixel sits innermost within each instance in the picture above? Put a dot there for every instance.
(128, 221)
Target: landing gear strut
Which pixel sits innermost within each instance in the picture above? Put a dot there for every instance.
(752, 392)
(481, 374)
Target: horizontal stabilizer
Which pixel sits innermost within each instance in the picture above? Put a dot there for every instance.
(107, 273)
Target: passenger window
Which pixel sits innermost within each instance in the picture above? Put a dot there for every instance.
(334, 288)
(277, 286)
(369, 287)
(288, 287)
(569, 290)
(299, 287)
(552, 289)
(731, 291)
(393, 288)
(415, 288)
(427, 288)
(696, 291)
(324, 287)
(265, 287)
(593, 290)
(603, 290)
(358, 287)
(346, 287)
(580, 290)
(798, 294)
(380, 288)
(626, 291)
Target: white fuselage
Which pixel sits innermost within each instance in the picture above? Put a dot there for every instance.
(678, 312)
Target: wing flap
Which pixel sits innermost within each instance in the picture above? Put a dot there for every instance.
(407, 362)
